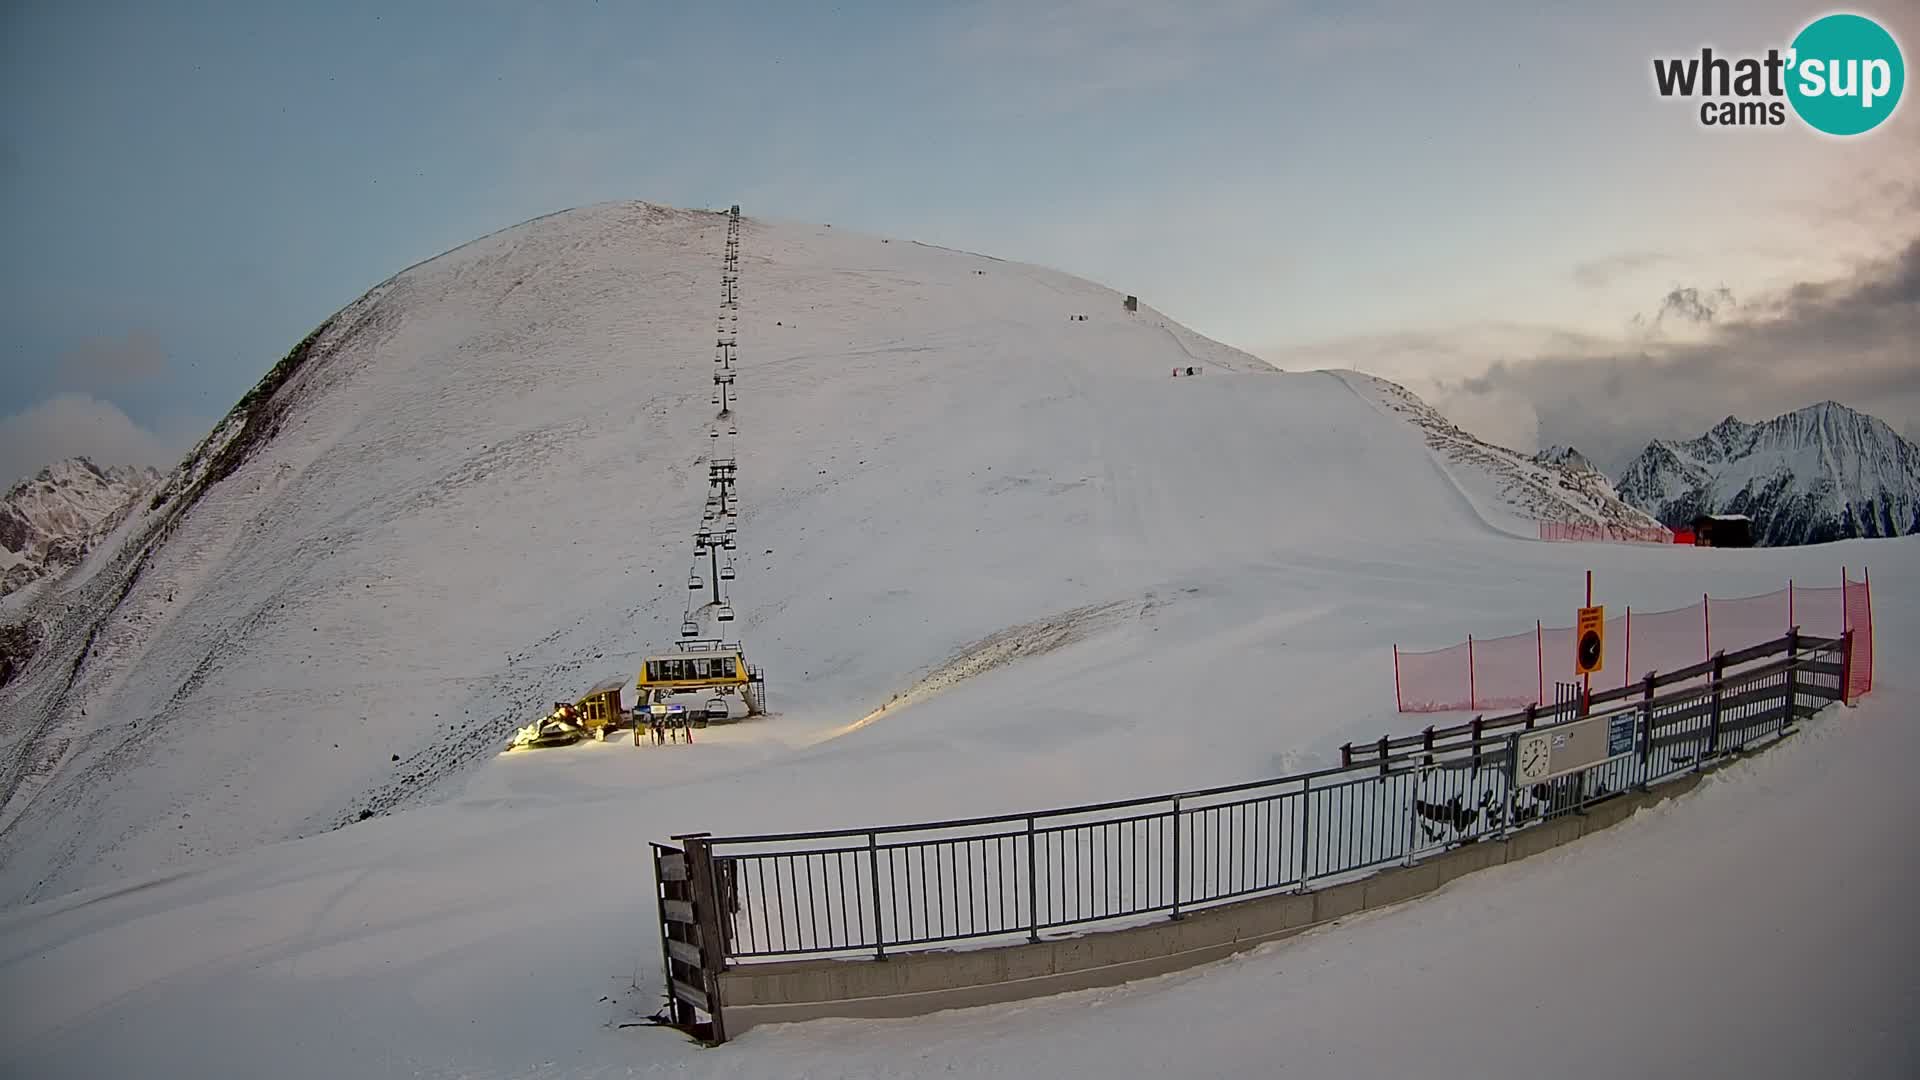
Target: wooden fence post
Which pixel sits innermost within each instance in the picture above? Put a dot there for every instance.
(705, 889)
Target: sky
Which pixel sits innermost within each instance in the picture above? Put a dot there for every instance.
(1487, 202)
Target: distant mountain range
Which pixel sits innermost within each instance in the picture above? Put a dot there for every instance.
(50, 521)
(1825, 472)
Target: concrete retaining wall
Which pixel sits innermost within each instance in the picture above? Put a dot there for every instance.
(914, 983)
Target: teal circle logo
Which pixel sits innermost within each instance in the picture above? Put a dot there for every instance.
(1845, 74)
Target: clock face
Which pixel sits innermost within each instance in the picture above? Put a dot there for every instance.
(1533, 757)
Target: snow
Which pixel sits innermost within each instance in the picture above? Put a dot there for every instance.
(49, 521)
(992, 559)
(1818, 473)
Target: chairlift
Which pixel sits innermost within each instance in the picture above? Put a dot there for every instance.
(727, 541)
(703, 537)
(689, 628)
(716, 398)
(716, 708)
(726, 572)
(695, 583)
(724, 612)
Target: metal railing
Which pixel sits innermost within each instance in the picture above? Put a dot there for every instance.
(1014, 877)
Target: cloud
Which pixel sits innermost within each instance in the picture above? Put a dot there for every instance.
(1850, 339)
(1690, 305)
(72, 425)
(1599, 273)
(110, 363)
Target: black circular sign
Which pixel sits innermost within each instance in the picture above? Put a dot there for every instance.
(1589, 650)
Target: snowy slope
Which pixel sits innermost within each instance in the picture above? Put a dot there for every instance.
(1510, 489)
(1825, 472)
(1071, 576)
(48, 522)
(467, 496)
(1760, 928)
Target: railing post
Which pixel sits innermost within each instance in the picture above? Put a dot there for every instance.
(1306, 799)
(1646, 733)
(1413, 817)
(1531, 709)
(705, 893)
(1383, 755)
(1176, 855)
(1426, 743)
(1793, 680)
(1713, 712)
(1033, 885)
(1479, 729)
(873, 870)
(1346, 755)
(1846, 656)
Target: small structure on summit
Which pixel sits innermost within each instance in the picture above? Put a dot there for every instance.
(1132, 303)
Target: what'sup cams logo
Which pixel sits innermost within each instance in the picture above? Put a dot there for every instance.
(1842, 75)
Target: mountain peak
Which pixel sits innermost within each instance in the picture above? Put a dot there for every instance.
(1818, 473)
(49, 521)
(1566, 457)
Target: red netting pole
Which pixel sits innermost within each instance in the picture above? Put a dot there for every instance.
(1539, 663)
(1866, 582)
(1473, 693)
(1398, 705)
(1790, 603)
(1845, 623)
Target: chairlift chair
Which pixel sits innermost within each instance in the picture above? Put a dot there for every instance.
(724, 613)
(726, 572)
(716, 708)
(695, 582)
(689, 628)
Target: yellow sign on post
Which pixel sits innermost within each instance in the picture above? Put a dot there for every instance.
(1590, 640)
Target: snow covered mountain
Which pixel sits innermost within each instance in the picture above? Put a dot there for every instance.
(991, 556)
(472, 488)
(1567, 457)
(1825, 472)
(1555, 485)
(50, 521)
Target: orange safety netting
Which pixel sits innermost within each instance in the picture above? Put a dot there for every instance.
(1597, 532)
(1521, 669)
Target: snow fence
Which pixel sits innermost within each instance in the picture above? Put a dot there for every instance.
(1521, 669)
(1608, 533)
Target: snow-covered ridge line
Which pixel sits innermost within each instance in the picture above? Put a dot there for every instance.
(1822, 473)
(1513, 491)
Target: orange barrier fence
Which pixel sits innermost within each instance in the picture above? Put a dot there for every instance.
(1599, 533)
(1520, 669)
